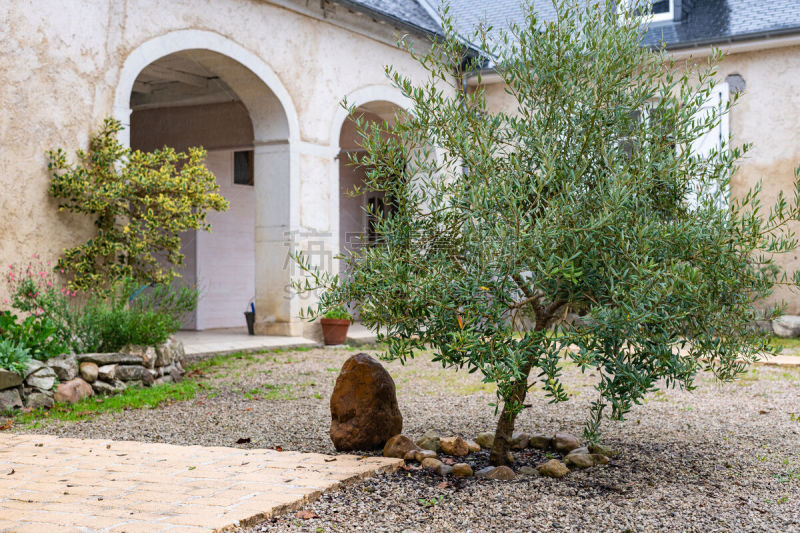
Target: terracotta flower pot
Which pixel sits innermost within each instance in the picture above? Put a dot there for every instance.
(334, 330)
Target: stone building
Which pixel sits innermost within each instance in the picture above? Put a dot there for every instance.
(259, 83)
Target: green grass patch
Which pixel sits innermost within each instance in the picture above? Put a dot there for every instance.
(133, 398)
(269, 392)
(788, 345)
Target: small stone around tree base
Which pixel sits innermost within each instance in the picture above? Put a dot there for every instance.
(443, 469)
(540, 441)
(454, 446)
(462, 470)
(553, 468)
(582, 449)
(565, 442)
(431, 462)
(502, 473)
(603, 450)
(485, 439)
(519, 441)
(430, 441)
(473, 446)
(398, 446)
(585, 460)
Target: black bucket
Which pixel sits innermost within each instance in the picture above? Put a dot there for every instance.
(250, 317)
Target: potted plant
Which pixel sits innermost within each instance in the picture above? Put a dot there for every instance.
(335, 322)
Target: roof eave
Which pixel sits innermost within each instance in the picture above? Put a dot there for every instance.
(390, 19)
(716, 41)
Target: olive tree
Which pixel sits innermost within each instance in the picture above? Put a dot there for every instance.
(586, 200)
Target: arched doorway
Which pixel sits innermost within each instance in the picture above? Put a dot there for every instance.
(355, 224)
(198, 88)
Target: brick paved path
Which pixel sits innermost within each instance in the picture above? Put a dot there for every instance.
(56, 484)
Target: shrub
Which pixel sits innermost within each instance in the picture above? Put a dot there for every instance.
(57, 321)
(578, 202)
(338, 312)
(132, 316)
(140, 203)
(37, 334)
(13, 356)
(37, 292)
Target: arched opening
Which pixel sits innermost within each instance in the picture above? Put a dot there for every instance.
(192, 89)
(355, 224)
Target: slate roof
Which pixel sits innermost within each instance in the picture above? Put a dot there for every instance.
(703, 22)
(407, 13)
(719, 21)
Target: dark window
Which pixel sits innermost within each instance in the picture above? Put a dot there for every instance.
(375, 211)
(243, 167)
(661, 6)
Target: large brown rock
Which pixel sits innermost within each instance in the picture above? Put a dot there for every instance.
(364, 412)
(72, 391)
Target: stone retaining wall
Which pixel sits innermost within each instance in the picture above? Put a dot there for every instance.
(69, 378)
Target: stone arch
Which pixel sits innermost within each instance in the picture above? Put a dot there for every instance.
(181, 40)
(362, 99)
(275, 159)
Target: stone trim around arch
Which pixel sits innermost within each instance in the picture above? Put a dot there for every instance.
(181, 40)
(362, 96)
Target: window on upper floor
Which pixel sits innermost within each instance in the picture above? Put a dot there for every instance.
(661, 10)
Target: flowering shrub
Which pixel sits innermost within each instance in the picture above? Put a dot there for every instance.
(34, 291)
(58, 321)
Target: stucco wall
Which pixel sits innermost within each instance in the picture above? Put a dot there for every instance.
(766, 115)
(62, 63)
(226, 255)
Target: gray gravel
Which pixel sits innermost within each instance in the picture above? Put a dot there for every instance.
(722, 458)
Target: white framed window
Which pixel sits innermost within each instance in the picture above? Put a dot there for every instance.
(717, 139)
(661, 10)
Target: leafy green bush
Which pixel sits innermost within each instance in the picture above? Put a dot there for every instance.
(338, 312)
(13, 356)
(132, 316)
(140, 203)
(58, 322)
(37, 334)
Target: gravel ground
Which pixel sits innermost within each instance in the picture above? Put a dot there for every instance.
(725, 457)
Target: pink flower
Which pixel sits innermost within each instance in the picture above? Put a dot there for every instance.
(49, 283)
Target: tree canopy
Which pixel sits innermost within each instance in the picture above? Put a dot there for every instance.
(587, 199)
